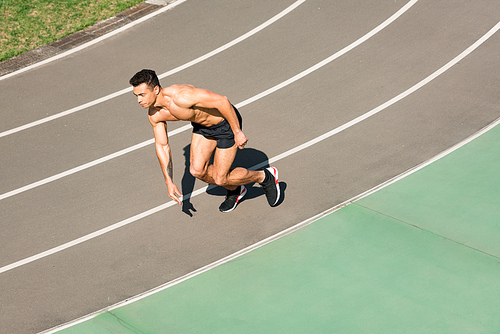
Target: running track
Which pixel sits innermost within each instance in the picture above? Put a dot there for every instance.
(340, 97)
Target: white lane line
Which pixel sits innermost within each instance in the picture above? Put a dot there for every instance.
(274, 159)
(88, 165)
(163, 75)
(235, 41)
(239, 105)
(334, 56)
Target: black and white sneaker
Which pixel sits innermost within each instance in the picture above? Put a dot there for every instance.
(233, 197)
(271, 185)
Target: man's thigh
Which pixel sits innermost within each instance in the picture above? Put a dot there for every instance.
(201, 151)
(223, 160)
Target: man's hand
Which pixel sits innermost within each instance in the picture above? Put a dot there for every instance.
(174, 193)
(240, 139)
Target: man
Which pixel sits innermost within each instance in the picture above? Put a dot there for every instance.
(216, 128)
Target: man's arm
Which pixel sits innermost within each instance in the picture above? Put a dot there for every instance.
(165, 158)
(206, 99)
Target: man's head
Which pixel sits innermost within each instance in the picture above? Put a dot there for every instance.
(146, 87)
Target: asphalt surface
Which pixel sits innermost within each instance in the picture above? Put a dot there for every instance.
(157, 248)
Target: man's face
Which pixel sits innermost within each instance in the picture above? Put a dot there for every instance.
(145, 95)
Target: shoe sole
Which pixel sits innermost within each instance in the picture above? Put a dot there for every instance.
(274, 172)
(240, 196)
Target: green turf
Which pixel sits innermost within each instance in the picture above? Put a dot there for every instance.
(28, 24)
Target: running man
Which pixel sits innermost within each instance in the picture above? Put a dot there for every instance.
(216, 128)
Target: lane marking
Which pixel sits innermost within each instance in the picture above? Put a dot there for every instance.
(260, 165)
(238, 105)
(88, 164)
(272, 238)
(161, 76)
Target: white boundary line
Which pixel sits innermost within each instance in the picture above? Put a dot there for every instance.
(88, 165)
(276, 236)
(274, 159)
(426, 163)
(239, 105)
(161, 76)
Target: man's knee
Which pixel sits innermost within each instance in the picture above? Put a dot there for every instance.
(221, 180)
(198, 172)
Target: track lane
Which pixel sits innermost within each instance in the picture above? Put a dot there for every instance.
(103, 213)
(93, 72)
(175, 242)
(80, 147)
(239, 105)
(160, 75)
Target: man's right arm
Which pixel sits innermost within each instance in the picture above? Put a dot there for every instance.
(165, 158)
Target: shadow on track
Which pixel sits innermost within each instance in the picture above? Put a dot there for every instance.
(245, 158)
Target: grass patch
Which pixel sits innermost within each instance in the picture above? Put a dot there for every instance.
(28, 24)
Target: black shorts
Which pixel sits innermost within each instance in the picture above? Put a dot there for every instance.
(221, 132)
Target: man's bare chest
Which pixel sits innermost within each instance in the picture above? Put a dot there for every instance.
(184, 114)
(171, 112)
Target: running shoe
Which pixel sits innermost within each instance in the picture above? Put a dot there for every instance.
(271, 185)
(233, 197)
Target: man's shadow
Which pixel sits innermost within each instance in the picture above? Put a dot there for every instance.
(248, 158)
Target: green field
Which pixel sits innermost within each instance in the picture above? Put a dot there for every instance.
(28, 24)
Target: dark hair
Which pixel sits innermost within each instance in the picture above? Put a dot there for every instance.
(145, 76)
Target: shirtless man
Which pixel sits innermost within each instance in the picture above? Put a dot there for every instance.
(216, 127)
